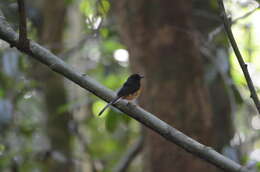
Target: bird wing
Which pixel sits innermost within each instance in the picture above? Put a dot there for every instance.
(127, 89)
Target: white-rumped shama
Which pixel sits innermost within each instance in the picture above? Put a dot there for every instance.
(129, 91)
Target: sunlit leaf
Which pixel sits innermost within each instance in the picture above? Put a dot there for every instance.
(86, 7)
(97, 107)
(103, 7)
(112, 81)
(111, 45)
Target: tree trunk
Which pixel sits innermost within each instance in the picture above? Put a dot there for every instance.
(54, 89)
(217, 70)
(164, 47)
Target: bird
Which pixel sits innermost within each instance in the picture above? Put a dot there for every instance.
(130, 90)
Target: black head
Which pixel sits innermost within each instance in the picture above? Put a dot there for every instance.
(135, 77)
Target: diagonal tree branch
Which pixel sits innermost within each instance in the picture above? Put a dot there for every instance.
(240, 59)
(149, 120)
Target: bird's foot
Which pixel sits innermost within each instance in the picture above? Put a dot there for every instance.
(131, 105)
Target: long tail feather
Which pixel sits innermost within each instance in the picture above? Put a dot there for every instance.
(109, 104)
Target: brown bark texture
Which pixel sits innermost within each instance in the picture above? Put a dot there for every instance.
(163, 46)
(206, 19)
(53, 88)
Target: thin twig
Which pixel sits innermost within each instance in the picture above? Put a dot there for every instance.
(171, 134)
(240, 59)
(245, 15)
(217, 30)
(131, 153)
(93, 34)
(84, 143)
(23, 40)
(14, 166)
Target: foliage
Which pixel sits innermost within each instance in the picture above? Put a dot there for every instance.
(23, 131)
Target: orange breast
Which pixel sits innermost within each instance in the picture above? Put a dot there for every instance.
(134, 95)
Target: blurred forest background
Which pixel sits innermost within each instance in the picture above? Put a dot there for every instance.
(192, 81)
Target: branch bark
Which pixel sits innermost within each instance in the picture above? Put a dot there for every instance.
(149, 120)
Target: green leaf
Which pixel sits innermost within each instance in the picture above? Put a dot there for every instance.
(86, 7)
(104, 32)
(63, 108)
(213, 4)
(103, 7)
(126, 119)
(112, 120)
(97, 107)
(68, 2)
(110, 46)
(2, 148)
(111, 81)
(258, 166)
(1, 92)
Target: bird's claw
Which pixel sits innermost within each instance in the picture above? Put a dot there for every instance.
(131, 104)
